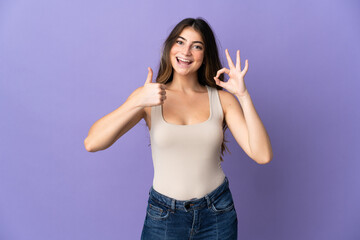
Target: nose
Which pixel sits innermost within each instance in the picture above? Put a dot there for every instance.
(187, 50)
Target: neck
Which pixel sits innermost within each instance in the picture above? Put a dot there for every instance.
(185, 83)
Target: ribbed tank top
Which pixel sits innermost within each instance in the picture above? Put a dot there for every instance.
(186, 158)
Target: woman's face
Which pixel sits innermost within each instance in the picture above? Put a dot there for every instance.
(187, 53)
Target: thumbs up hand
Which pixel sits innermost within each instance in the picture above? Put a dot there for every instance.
(152, 94)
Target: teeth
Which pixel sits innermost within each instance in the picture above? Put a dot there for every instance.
(184, 60)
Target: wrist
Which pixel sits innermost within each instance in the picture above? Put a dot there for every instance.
(135, 100)
(243, 94)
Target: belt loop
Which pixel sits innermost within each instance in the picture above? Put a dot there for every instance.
(208, 201)
(173, 204)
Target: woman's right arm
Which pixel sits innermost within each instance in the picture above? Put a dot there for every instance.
(108, 129)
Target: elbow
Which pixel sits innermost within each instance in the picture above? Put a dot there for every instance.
(87, 145)
(265, 159)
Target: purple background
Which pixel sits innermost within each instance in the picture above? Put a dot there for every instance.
(65, 64)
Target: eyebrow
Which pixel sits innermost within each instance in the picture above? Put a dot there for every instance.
(193, 41)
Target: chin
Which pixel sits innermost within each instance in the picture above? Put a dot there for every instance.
(185, 72)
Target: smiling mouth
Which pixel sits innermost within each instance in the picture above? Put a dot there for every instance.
(183, 61)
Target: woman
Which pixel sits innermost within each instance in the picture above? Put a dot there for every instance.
(187, 112)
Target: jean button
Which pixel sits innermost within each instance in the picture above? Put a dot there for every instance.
(188, 205)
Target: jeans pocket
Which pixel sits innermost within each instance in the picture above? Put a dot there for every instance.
(223, 203)
(157, 211)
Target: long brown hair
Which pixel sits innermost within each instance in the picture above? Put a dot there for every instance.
(207, 70)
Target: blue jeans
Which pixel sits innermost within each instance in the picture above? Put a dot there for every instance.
(210, 217)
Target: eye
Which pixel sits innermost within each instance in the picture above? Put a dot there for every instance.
(198, 47)
(179, 42)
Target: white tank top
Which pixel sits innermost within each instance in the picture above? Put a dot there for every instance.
(186, 158)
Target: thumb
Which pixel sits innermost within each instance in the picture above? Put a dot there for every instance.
(149, 76)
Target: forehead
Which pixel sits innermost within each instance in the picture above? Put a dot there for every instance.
(191, 34)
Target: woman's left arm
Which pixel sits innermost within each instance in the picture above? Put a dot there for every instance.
(243, 121)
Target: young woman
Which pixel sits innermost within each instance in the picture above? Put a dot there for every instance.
(187, 112)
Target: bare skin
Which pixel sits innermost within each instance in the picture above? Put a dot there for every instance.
(183, 109)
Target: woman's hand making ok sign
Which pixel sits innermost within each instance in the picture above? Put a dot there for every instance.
(235, 84)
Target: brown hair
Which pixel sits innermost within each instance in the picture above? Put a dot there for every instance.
(207, 70)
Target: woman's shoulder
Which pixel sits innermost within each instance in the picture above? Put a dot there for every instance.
(225, 95)
(226, 99)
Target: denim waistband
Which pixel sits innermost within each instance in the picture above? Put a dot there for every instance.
(192, 204)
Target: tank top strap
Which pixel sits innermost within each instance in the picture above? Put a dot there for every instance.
(215, 103)
(155, 115)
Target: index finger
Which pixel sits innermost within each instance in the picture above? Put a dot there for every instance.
(230, 62)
